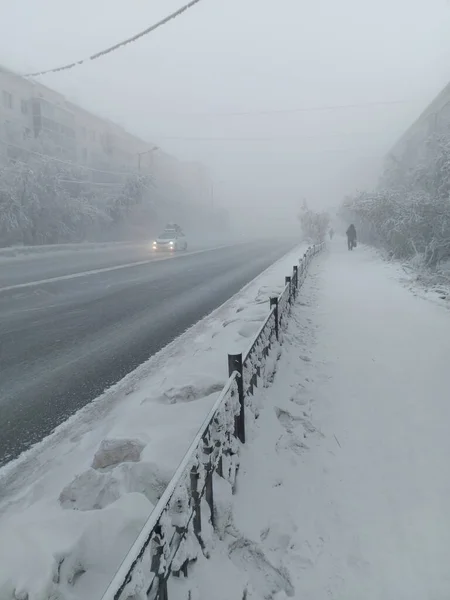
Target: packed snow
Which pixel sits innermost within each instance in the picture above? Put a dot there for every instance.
(343, 490)
(71, 507)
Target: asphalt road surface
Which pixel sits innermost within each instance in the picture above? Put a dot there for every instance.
(72, 327)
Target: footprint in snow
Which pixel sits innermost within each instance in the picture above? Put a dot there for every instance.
(291, 442)
(288, 421)
(267, 579)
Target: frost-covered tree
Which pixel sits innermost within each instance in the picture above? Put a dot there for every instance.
(130, 195)
(47, 201)
(409, 214)
(314, 224)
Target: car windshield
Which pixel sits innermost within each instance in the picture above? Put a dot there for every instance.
(168, 235)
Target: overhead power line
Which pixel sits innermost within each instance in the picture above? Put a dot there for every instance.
(150, 29)
(318, 108)
(306, 109)
(274, 138)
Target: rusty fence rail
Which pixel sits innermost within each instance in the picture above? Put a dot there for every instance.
(172, 536)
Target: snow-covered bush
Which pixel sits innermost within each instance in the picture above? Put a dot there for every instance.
(409, 214)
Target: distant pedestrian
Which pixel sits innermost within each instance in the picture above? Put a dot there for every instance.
(331, 233)
(351, 237)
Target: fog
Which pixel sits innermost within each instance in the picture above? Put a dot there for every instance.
(280, 100)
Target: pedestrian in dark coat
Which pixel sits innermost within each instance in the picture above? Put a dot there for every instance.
(351, 237)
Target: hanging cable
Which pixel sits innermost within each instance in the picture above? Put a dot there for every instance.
(164, 21)
(280, 111)
(274, 138)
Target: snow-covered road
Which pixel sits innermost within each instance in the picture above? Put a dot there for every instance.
(348, 462)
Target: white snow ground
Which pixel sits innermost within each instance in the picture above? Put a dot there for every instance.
(72, 506)
(344, 486)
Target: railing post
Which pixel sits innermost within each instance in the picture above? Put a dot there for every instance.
(209, 491)
(235, 364)
(197, 521)
(208, 449)
(163, 593)
(296, 277)
(156, 567)
(288, 281)
(274, 302)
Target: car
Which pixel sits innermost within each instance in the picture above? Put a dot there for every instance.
(170, 240)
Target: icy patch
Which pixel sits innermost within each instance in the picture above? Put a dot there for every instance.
(113, 452)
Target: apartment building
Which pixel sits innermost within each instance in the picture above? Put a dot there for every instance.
(16, 122)
(32, 113)
(434, 119)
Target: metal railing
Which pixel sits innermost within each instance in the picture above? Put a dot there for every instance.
(172, 536)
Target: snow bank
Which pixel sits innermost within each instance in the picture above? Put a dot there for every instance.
(71, 507)
(250, 553)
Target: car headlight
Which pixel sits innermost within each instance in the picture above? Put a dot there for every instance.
(170, 243)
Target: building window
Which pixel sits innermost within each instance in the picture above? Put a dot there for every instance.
(93, 136)
(24, 107)
(83, 133)
(7, 99)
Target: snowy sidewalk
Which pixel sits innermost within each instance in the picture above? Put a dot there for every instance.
(380, 500)
(344, 490)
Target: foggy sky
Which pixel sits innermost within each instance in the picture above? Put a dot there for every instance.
(248, 55)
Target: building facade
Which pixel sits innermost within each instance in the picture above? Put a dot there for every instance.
(434, 119)
(35, 118)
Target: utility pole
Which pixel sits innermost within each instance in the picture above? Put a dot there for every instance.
(139, 154)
